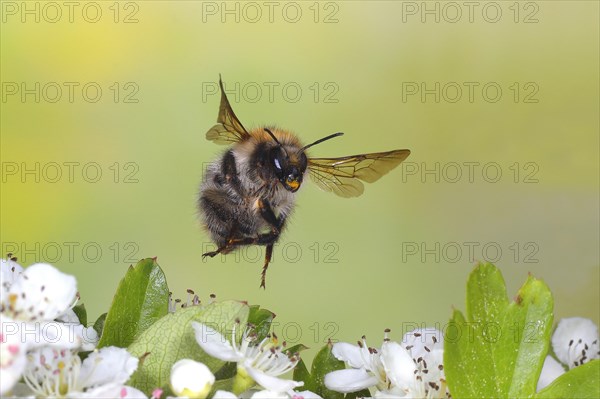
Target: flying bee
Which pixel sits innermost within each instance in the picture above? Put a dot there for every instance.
(248, 193)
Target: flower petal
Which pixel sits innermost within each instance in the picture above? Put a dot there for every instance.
(349, 380)
(575, 338)
(40, 333)
(41, 293)
(224, 395)
(69, 316)
(348, 353)
(306, 395)
(551, 371)
(12, 359)
(269, 395)
(398, 364)
(9, 272)
(216, 345)
(191, 378)
(88, 336)
(109, 365)
(272, 383)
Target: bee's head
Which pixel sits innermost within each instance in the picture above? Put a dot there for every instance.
(288, 165)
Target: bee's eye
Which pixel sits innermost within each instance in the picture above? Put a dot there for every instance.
(277, 164)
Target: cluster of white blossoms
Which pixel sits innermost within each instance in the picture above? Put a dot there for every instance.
(411, 369)
(40, 338)
(415, 369)
(260, 363)
(46, 352)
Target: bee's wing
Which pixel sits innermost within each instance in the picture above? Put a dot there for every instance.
(343, 176)
(228, 129)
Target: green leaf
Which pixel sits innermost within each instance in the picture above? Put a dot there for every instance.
(141, 299)
(582, 382)
(81, 313)
(486, 294)
(228, 371)
(323, 363)
(261, 319)
(224, 385)
(172, 338)
(295, 349)
(498, 348)
(301, 374)
(99, 324)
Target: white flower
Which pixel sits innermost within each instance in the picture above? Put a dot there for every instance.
(61, 373)
(41, 292)
(575, 341)
(367, 369)
(31, 301)
(256, 362)
(426, 347)
(191, 379)
(414, 369)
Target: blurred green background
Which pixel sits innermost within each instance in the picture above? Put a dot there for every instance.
(397, 257)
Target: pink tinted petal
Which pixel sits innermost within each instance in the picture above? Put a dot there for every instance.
(306, 395)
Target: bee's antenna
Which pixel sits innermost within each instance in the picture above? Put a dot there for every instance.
(322, 140)
(277, 141)
(272, 136)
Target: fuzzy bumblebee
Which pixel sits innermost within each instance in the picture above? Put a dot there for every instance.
(248, 193)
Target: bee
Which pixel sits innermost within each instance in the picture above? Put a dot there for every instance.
(249, 192)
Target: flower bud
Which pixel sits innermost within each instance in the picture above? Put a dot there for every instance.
(191, 379)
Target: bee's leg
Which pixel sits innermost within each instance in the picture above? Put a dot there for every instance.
(212, 254)
(268, 239)
(263, 275)
(232, 242)
(269, 216)
(267, 213)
